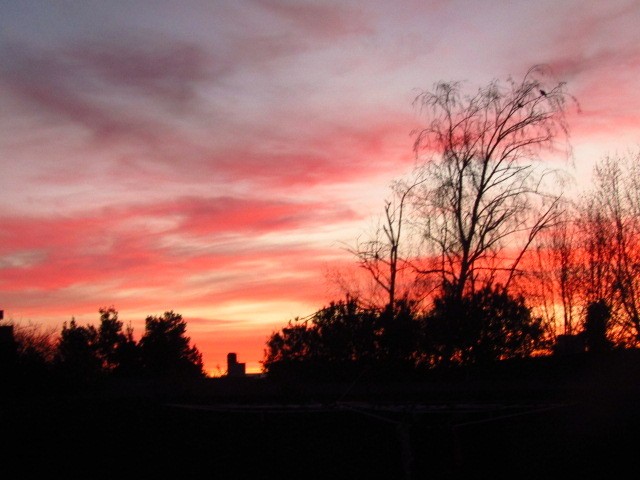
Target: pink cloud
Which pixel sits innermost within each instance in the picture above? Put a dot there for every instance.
(116, 245)
(76, 87)
(593, 52)
(331, 154)
(227, 214)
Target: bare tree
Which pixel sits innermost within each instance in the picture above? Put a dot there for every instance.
(610, 223)
(554, 275)
(380, 254)
(486, 196)
(566, 273)
(35, 343)
(597, 245)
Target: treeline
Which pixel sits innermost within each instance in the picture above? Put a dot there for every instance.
(82, 354)
(346, 339)
(480, 255)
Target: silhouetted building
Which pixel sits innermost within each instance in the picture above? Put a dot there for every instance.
(234, 369)
(8, 347)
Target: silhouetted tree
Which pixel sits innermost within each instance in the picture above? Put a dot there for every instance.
(484, 200)
(292, 343)
(129, 355)
(345, 332)
(383, 254)
(290, 350)
(484, 326)
(610, 228)
(552, 280)
(110, 337)
(77, 352)
(165, 348)
(399, 335)
(330, 342)
(344, 339)
(36, 348)
(117, 350)
(596, 325)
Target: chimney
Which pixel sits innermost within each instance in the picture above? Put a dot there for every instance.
(234, 369)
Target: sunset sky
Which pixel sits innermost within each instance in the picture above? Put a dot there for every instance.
(214, 157)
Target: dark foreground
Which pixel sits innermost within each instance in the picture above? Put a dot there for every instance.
(548, 422)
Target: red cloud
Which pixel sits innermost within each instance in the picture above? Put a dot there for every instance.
(328, 155)
(226, 214)
(198, 246)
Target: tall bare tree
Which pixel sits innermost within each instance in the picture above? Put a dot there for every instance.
(611, 227)
(555, 270)
(380, 253)
(485, 197)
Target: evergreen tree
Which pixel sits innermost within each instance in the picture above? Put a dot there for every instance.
(165, 348)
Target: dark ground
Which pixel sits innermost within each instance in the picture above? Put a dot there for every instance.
(579, 418)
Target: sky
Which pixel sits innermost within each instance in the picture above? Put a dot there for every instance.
(214, 158)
